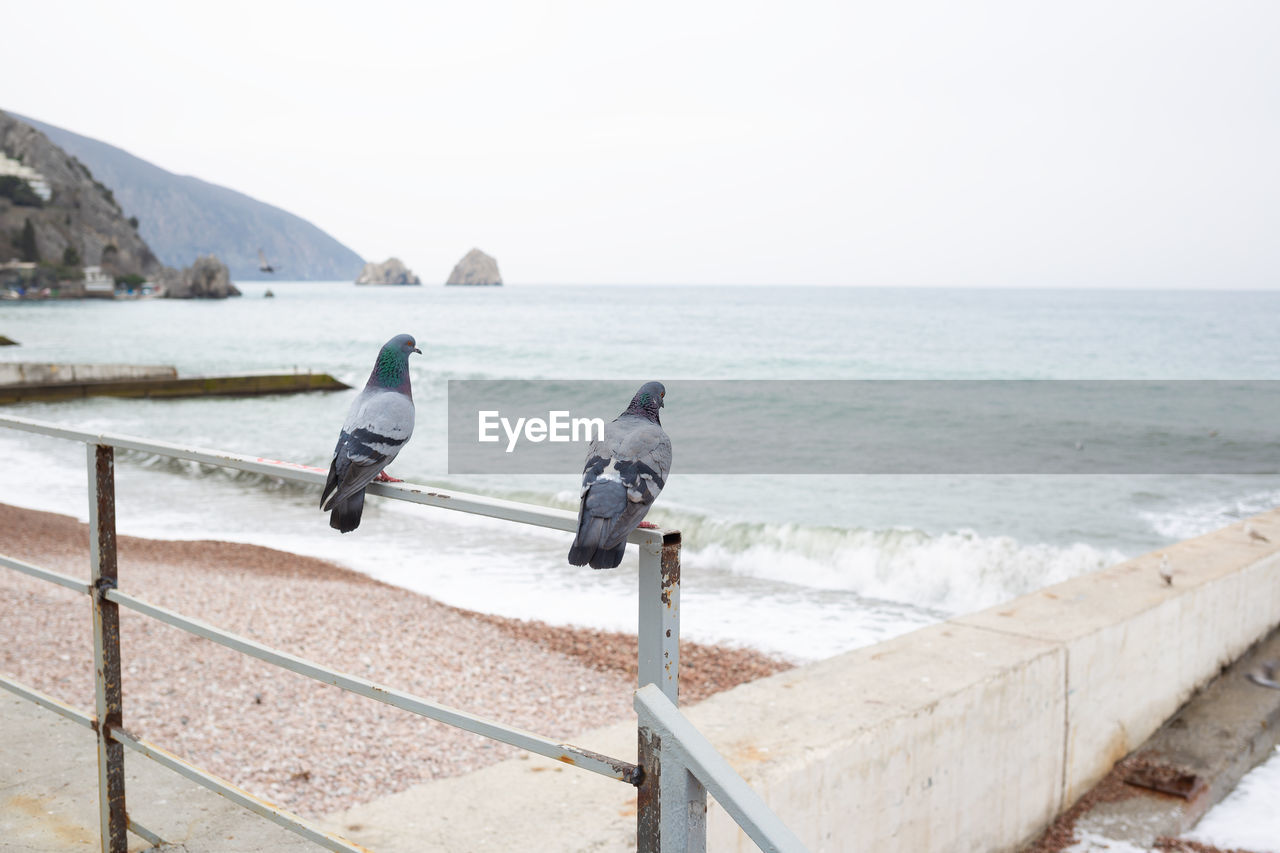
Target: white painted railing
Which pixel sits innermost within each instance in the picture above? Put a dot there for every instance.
(676, 764)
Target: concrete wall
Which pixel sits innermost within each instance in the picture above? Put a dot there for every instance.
(31, 373)
(973, 734)
(970, 735)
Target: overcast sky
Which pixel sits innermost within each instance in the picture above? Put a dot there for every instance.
(1099, 144)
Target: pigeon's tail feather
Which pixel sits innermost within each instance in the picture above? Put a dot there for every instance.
(590, 532)
(608, 558)
(330, 484)
(345, 516)
(600, 508)
(588, 547)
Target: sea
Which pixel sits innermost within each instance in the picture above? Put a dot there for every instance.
(803, 566)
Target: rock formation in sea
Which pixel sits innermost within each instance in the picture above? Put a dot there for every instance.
(207, 278)
(390, 271)
(475, 268)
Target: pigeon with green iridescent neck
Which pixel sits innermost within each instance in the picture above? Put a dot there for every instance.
(378, 424)
(625, 471)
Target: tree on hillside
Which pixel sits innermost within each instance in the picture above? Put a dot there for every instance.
(27, 243)
(19, 191)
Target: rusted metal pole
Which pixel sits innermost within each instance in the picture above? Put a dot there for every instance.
(659, 626)
(683, 746)
(106, 647)
(671, 813)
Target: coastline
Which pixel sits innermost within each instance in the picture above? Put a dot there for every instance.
(310, 747)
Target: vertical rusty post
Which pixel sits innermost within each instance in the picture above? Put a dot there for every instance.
(671, 812)
(106, 647)
(648, 801)
(659, 634)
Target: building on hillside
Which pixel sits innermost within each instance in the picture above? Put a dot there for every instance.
(38, 184)
(98, 283)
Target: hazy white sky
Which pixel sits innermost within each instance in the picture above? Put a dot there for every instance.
(1103, 144)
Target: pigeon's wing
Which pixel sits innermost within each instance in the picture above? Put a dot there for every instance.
(640, 459)
(377, 427)
(636, 455)
(625, 471)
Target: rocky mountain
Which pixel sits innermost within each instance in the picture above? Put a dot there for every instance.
(182, 217)
(53, 210)
(475, 268)
(390, 271)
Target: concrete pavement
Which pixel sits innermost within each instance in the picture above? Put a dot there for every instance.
(49, 795)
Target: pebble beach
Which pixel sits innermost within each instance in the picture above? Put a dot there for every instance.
(310, 747)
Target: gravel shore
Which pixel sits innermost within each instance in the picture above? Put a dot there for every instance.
(307, 746)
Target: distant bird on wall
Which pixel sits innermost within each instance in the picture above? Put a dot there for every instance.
(625, 471)
(378, 424)
(263, 264)
(1254, 534)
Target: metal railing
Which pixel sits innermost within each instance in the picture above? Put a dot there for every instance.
(676, 765)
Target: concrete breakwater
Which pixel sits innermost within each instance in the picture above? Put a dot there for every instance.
(32, 382)
(41, 373)
(968, 735)
(973, 734)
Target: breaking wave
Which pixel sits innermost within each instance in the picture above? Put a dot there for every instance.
(954, 572)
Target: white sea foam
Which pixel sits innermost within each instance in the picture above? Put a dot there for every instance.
(1197, 518)
(953, 572)
(1247, 818)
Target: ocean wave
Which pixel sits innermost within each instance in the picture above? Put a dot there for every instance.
(1201, 517)
(953, 572)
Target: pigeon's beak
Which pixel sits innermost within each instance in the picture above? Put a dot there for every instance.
(418, 351)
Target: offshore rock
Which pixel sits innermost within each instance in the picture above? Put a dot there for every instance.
(475, 269)
(207, 278)
(390, 271)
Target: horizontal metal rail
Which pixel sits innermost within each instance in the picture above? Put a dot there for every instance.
(144, 833)
(695, 753)
(44, 700)
(586, 759)
(556, 519)
(75, 715)
(567, 753)
(44, 574)
(671, 737)
(287, 819)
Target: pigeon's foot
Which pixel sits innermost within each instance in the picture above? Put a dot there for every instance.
(647, 525)
(383, 477)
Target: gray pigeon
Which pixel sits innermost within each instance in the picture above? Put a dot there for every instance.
(378, 424)
(625, 472)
